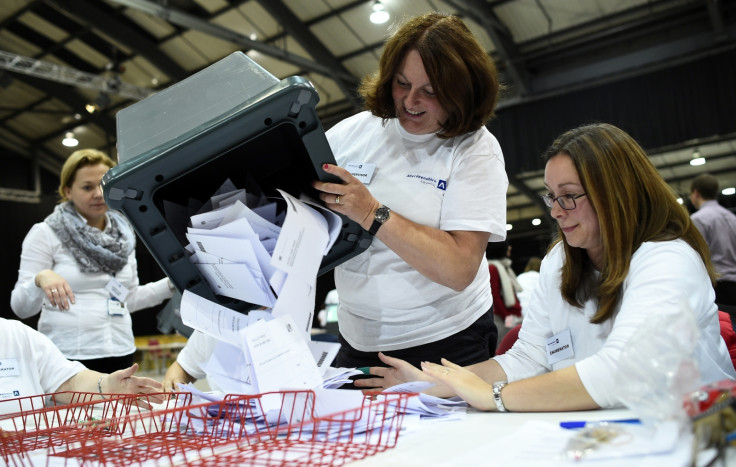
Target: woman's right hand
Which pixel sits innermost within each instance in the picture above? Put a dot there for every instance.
(175, 375)
(399, 372)
(56, 288)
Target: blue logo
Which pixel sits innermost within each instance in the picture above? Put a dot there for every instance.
(442, 185)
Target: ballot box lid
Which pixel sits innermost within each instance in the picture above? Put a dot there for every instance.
(230, 122)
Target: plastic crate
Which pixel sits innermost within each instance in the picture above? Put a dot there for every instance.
(266, 430)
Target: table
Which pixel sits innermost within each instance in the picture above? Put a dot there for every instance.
(460, 443)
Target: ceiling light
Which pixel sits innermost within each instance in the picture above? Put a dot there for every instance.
(728, 191)
(379, 15)
(697, 159)
(680, 201)
(509, 226)
(70, 141)
(536, 221)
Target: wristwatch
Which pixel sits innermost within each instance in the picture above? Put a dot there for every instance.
(497, 386)
(379, 217)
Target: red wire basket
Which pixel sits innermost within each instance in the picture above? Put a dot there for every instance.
(269, 429)
(50, 422)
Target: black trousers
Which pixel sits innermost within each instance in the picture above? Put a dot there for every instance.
(109, 364)
(474, 344)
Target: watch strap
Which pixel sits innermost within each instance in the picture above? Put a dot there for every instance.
(374, 227)
(497, 387)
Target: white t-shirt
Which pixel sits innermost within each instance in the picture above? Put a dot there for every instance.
(195, 354)
(662, 276)
(528, 282)
(451, 184)
(87, 330)
(30, 364)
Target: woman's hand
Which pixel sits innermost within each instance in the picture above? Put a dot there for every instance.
(175, 375)
(123, 382)
(350, 198)
(56, 288)
(466, 384)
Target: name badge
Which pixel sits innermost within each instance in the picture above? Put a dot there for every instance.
(9, 367)
(117, 289)
(559, 347)
(363, 171)
(116, 307)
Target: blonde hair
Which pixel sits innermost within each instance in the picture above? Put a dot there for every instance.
(77, 160)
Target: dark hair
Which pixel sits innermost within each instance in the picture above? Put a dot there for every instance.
(707, 186)
(463, 75)
(633, 204)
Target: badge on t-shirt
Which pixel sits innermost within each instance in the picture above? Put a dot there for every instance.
(117, 289)
(116, 307)
(559, 347)
(9, 367)
(363, 171)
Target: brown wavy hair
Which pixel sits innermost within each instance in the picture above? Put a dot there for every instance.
(463, 75)
(633, 204)
(77, 160)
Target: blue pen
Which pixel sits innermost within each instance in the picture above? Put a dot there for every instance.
(581, 424)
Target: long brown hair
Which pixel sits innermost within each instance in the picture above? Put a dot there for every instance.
(463, 75)
(633, 204)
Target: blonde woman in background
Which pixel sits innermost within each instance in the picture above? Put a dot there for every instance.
(78, 269)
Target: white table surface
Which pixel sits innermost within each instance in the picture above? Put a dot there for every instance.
(461, 442)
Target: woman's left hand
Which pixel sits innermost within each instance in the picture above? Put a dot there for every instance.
(466, 384)
(350, 198)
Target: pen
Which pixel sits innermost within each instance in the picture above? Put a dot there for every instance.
(365, 370)
(581, 424)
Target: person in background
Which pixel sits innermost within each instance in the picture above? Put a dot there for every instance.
(626, 252)
(32, 365)
(528, 281)
(421, 172)
(78, 268)
(718, 226)
(504, 287)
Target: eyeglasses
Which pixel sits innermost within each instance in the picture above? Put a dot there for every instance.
(566, 202)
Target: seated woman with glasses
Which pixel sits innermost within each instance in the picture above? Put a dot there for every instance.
(627, 252)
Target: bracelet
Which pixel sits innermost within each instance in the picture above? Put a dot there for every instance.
(497, 386)
(99, 385)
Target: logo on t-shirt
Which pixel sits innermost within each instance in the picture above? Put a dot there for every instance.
(442, 185)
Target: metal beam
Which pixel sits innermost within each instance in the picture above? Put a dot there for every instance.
(63, 74)
(314, 46)
(191, 22)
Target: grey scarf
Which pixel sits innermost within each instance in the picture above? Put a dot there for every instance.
(93, 249)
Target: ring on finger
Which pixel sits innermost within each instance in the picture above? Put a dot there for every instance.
(337, 199)
(446, 372)
(53, 291)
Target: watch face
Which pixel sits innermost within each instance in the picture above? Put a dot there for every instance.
(382, 214)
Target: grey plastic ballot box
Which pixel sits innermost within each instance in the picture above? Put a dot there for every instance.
(230, 121)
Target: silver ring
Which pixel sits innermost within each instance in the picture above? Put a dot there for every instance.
(54, 291)
(337, 199)
(446, 372)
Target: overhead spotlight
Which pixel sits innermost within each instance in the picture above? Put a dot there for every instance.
(379, 15)
(728, 191)
(69, 140)
(536, 221)
(102, 101)
(697, 158)
(509, 226)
